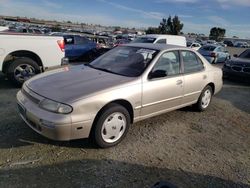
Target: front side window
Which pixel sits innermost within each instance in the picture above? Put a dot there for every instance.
(191, 61)
(168, 62)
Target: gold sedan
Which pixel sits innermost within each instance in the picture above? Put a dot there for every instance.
(127, 84)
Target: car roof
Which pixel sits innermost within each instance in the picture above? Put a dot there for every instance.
(154, 46)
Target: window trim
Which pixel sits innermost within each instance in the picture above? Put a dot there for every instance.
(197, 58)
(166, 77)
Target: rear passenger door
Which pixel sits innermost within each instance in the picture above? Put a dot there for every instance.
(194, 76)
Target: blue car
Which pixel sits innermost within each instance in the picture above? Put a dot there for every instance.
(79, 48)
(214, 53)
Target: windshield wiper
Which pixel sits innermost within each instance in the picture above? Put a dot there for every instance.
(101, 69)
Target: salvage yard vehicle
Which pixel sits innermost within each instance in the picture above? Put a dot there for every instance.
(238, 67)
(125, 85)
(24, 55)
(162, 39)
(79, 48)
(214, 53)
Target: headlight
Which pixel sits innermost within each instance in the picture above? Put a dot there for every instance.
(55, 107)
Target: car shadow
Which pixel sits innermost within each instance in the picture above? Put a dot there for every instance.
(5, 83)
(237, 93)
(103, 173)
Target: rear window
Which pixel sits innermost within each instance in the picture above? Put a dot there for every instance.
(144, 40)
(208, 48)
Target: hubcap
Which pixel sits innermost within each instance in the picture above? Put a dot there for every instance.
(206, 99)
(113, 127)
(24, 72)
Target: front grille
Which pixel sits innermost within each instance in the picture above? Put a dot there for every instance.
(246, 69)
(29, 96)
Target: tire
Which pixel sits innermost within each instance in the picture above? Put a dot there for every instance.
(22, 69)
(111, 134)
(202, 104)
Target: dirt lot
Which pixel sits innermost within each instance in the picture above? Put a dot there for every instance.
(187, 148)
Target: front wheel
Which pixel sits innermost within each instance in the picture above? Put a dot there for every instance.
(204, 99)
(21, 69)
(111, 126)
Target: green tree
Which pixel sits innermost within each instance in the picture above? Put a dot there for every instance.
(163, 28)
(167, 26)
(152, 30)
(217, 33)
(177, 26)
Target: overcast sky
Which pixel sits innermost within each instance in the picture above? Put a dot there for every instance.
(197, 15)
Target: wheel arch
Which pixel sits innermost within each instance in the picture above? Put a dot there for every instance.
(126, 104)
(212, 85)
(18, 54)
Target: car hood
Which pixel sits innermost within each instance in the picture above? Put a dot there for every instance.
(240, 61)
(72, 83)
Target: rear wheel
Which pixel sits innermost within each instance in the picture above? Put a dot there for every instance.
(204, 99)
(21, 69)
(111, 126)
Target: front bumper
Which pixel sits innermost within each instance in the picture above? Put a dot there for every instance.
(228, 72)
(51, 125)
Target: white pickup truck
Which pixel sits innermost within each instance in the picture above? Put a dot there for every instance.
(22, 56)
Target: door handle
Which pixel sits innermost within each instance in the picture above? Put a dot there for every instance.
(178, 82)
(204, 77)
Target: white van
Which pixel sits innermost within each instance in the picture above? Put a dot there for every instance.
(162, 39)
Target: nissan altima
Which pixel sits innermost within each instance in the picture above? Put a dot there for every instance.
(125, 85)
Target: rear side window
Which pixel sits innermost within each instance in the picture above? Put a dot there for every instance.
(162, 41)
(191, 61)
(208, 48)
(81, 40)
(69, 40)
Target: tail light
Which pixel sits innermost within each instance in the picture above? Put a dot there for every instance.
(61, 45)
(213, 54)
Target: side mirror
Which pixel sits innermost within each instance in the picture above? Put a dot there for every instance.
(157, 74)
(235, 55)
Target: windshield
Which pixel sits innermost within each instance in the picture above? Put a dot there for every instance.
(125, 60)
(144, 40)
(245, 54)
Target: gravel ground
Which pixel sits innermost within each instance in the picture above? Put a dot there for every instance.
(187, 148)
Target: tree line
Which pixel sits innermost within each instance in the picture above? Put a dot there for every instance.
(171, 26)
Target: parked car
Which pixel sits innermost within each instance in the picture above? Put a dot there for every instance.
(194, 45)
(229, 43)
(162, 39)
(79, 48)
(121, 42)
(240, 44)
(239, 66)
(125, 85)
(22, 55)
(214, 53)
(222, 44)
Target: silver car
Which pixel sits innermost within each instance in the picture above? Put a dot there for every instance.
(127, 84)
